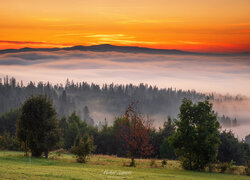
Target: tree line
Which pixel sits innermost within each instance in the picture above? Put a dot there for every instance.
(226, 121)
(108, 99)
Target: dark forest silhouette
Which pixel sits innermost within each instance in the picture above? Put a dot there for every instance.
(85, 98)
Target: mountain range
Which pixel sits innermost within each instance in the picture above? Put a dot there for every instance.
(124, 49)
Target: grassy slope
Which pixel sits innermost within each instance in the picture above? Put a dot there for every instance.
(13, 165)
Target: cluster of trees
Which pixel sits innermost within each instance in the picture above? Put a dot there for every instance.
(231, 149)
(226, 121)
(8, 130)
(194, 137)
(107, 99)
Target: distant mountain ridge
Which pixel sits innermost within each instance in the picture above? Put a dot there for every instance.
(124, 49)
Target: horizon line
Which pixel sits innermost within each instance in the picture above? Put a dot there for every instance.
(136, 48)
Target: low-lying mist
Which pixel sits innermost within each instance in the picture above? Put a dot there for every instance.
(204, 73)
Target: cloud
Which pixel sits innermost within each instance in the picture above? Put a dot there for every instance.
(68, 34)
(12, 62)
(203, 73)
(32, 43)
(22, 42)
(117, 38)
(32, 56)
(112, 36)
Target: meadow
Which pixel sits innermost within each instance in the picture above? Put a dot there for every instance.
(14, 165)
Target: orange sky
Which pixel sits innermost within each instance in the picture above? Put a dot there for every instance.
(193, 25)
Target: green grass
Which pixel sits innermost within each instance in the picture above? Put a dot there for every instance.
(13, 165)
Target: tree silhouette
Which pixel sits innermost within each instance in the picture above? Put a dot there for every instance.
(86, 116)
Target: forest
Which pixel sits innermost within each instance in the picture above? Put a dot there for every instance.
(74, 127)
(106, 101)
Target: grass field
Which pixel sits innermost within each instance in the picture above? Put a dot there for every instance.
(13, 165)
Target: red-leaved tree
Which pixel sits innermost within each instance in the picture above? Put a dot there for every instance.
(135, 134)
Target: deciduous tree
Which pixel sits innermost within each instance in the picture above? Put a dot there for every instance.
(135, 133)
(37, 126)
(197, 137)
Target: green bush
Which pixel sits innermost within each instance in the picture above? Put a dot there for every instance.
(163, 163)
(82, 148)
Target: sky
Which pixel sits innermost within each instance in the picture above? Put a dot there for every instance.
(191, 25)
(195, 25)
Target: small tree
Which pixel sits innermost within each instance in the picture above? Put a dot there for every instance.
(167, 150)
(83, 147)
(37, 126)
(135, 133)
(196, 139)
(71, 133)
(86, 116)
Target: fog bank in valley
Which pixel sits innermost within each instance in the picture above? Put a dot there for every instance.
(204, 73)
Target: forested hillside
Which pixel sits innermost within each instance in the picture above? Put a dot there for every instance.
(101, 102)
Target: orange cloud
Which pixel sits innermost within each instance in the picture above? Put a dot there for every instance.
(22, 44)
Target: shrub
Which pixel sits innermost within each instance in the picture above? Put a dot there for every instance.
(163, 163)
(82, 148)
(225, 166)
(212, 167)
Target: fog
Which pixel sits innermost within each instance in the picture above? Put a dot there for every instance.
(203, 73)
(223, 74)
(236, 109)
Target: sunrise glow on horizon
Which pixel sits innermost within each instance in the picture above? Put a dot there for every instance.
(200, 26)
